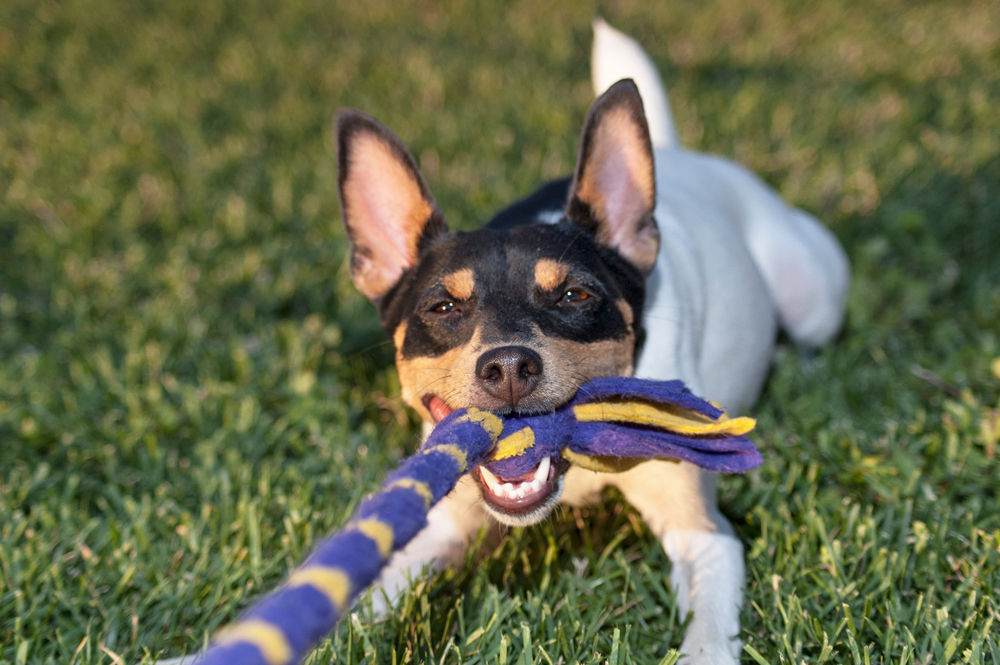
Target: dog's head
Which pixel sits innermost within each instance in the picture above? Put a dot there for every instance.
(509, 319)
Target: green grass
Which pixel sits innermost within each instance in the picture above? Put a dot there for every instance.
(191, 392)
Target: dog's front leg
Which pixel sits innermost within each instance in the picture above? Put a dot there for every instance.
(451, 524)
(707, 577)
(677, 501)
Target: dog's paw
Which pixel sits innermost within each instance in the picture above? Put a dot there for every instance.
(710, 653)
(178, 660)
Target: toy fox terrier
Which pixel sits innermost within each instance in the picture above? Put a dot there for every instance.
(650, 260)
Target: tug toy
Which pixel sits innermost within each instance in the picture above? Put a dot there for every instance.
(611, 425)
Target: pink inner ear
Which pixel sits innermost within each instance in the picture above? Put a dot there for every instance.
(618, 185)
(623, 176)
(386, 213)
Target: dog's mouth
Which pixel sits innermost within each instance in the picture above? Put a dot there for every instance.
(525, 500)
(515, 501)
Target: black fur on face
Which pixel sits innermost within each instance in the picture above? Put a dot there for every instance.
(518, 314)
(507, 303)
(549, 290)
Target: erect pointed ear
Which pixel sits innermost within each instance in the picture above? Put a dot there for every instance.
(385, 204)
(614, 188)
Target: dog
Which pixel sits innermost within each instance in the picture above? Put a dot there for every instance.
(650, 260)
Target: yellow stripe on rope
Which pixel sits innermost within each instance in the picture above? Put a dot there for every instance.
(601, 463)
(331, 582)
(488, 421)
(451, 449)
(676, 420)
(268, 639)
(379, 532)
(421, 488)
(515, 444)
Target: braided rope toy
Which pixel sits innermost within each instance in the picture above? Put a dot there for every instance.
(612, 424)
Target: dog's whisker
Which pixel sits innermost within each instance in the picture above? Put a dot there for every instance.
(369, 349)
(431, 383)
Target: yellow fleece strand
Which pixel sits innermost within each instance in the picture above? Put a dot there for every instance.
(268, 639)
(673, 420)
(515, 444)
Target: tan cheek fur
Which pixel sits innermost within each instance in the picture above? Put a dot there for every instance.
(569, 363)
(451, 376)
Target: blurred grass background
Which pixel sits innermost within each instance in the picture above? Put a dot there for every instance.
(192, 393)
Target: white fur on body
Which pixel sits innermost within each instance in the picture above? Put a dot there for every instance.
(734, 261)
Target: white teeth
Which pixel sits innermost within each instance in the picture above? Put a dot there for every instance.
(517, 490)
(492, 482)
(542, 472)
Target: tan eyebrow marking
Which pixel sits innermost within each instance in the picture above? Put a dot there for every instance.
(550, 274)
(460, 284)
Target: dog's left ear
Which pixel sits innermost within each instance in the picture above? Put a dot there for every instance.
(614, 187)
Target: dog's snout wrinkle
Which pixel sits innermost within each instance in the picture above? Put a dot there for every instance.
(509, 373)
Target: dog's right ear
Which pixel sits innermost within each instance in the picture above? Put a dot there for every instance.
(387, 209)
(614, 189)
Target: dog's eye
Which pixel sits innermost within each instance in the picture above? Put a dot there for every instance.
(443, 307)
(573, 296)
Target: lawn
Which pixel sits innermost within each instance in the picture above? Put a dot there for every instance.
(192, 393)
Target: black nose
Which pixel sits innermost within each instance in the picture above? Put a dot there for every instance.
(509, 373)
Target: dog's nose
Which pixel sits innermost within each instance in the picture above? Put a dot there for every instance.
(509, 373)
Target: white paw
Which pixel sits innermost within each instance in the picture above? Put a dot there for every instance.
(710, 654)
(179, 660)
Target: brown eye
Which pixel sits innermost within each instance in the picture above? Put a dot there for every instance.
(573, 296)
(443, 307)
